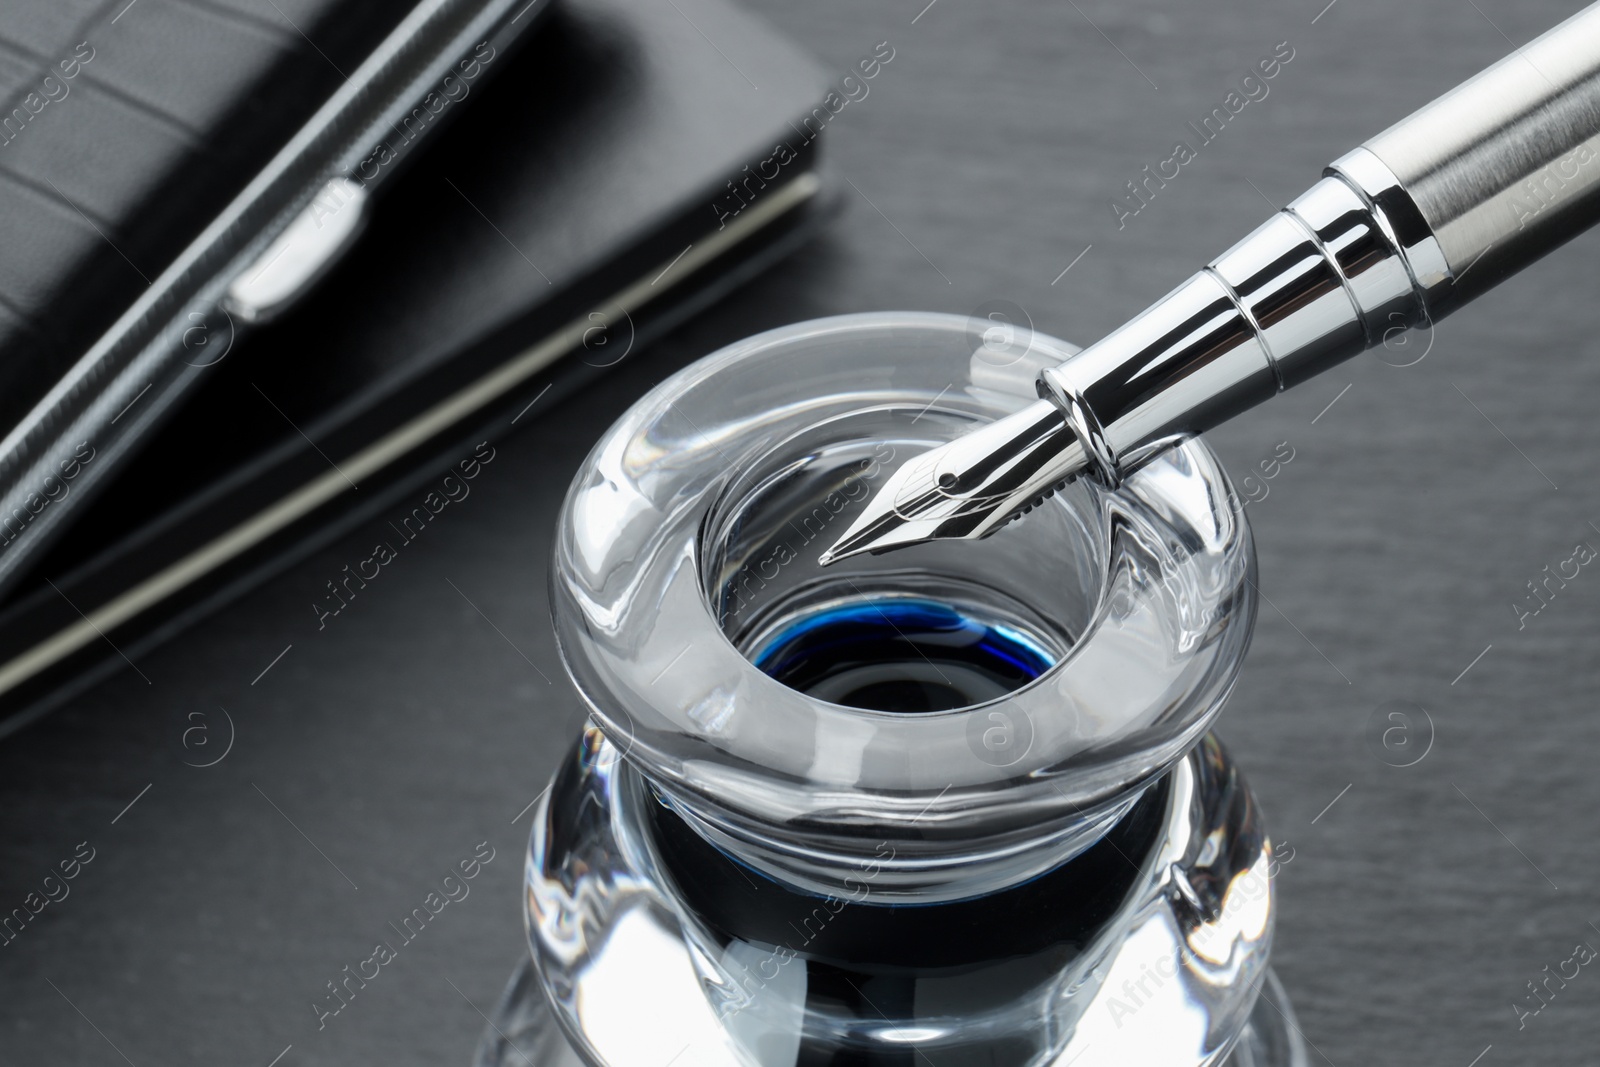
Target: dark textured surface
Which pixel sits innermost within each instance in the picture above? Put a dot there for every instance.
(1396, 541)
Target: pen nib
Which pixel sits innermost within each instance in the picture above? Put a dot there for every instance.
(969, 487)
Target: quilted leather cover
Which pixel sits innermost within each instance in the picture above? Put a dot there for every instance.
(125, 127)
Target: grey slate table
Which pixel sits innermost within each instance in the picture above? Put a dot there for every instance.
(380, 751)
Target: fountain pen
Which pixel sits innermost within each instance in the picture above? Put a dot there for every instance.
(1397, 234)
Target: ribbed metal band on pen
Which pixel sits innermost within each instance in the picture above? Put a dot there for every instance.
(1323, 279)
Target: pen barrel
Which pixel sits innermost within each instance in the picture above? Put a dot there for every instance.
(1506, 166)
(1403, 230)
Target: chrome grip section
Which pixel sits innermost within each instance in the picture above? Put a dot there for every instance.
(1318, 282)
(1362, 228)
(1289, 287)
(1404, 228)
(1187, 363)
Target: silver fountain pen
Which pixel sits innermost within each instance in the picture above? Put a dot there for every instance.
(1398, 233)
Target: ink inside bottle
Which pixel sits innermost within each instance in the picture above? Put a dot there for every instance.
(902, 654)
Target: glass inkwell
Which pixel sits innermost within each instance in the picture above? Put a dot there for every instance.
(953, 805)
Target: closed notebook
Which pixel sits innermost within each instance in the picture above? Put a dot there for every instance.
(609, 177)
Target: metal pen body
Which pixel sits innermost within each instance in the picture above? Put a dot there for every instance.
(1405, 229)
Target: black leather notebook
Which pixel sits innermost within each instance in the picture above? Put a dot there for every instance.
(166, 164)
(111, 159)
(619, 171)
